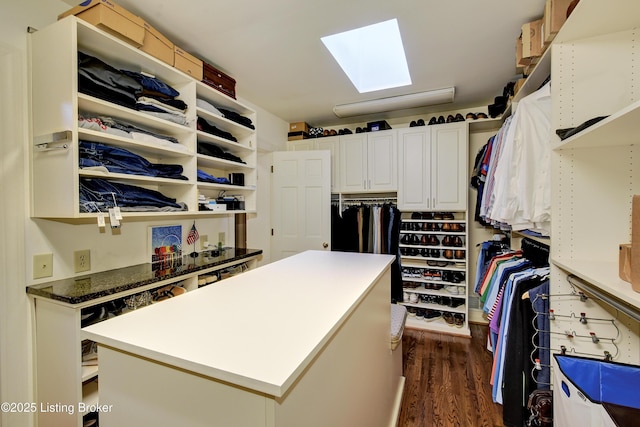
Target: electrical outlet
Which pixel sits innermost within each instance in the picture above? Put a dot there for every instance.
(204, 241)
(221, 237)
(82, 260)
(42, 266)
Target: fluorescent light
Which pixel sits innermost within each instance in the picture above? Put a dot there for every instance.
(372, 57)
(402, 102)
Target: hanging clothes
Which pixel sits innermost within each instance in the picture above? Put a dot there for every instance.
(370, 228)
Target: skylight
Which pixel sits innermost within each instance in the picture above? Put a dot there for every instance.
(372, 56)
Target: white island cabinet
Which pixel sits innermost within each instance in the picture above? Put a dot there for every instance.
(304, 341)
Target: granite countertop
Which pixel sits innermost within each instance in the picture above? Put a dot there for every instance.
(76, 290)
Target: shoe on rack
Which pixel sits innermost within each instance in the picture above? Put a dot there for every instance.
(447, 241)
(448, 215)
(458, 254)
(450, 118)
(452, 289)
(448, 253)
(420, 122)
(457, 241)
(434, 253)
(446, 226)
(433, 121)
(471, 116)
(431, 315)
(441, 120)
(448, 317)
(457, 277)
(412, 124)
(456, 302)
(458, 118)
(458, 320)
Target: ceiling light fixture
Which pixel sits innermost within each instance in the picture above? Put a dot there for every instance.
(402, 102)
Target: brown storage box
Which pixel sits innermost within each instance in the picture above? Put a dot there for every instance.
(518, 85)
(111, 18)
(299, 127)
(555, 13)
(155, 44)
(635, 243)
(624, 262)
(215, 78)
(520, 61)
(532, 39)
(187, 63)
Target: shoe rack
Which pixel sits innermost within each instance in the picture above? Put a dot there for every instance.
(434, 265)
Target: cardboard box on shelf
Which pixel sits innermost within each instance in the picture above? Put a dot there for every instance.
(532, 39)
(624, 262)
(518, 85)
(187, 63)
(299, 127)
(555, 14)
(112, 18)
(157, 45)
(635, 243)
(520, 61)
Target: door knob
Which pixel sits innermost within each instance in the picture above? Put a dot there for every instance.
(325, 245)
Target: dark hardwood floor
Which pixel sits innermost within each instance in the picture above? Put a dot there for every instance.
(447, 380)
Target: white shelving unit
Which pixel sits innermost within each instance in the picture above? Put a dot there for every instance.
(57, 104)
(595, 173)
(426, 275)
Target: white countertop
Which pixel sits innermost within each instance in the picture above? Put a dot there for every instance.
(257, 330)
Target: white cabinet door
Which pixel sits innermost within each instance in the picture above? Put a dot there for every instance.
(414, 175)
(382, 166)
(353, 163)
(449, 167)
(368, 162)
(433, 168)
(304, 145)
(332, 144)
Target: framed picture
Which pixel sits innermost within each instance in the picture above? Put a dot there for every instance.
(165, 243)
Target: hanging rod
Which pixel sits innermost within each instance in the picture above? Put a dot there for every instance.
(630, 311)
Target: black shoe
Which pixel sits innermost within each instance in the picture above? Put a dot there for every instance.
(458, 118)
(420, 122)
(441, 120)
(433, 121)
(450, 119)
(412, 124)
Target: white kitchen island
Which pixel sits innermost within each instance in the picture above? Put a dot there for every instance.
(301, 342)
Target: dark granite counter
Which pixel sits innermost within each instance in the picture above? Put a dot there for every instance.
(80, 289)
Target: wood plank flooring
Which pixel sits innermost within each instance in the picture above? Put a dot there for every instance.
(447, 380)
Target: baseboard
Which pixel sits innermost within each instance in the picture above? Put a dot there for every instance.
(397, 403)
(477, 316)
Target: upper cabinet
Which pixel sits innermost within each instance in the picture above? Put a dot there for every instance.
(70, 111)
(368, 162)
(433, 168)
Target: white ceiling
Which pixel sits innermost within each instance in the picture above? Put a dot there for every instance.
(273, 49)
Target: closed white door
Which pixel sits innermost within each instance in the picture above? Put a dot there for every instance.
(353, 163)
(332, 143)
(382, 161)
(449, 166)
(414, 174)
(301, 202)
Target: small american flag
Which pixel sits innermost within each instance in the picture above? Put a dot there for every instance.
(193, 235)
